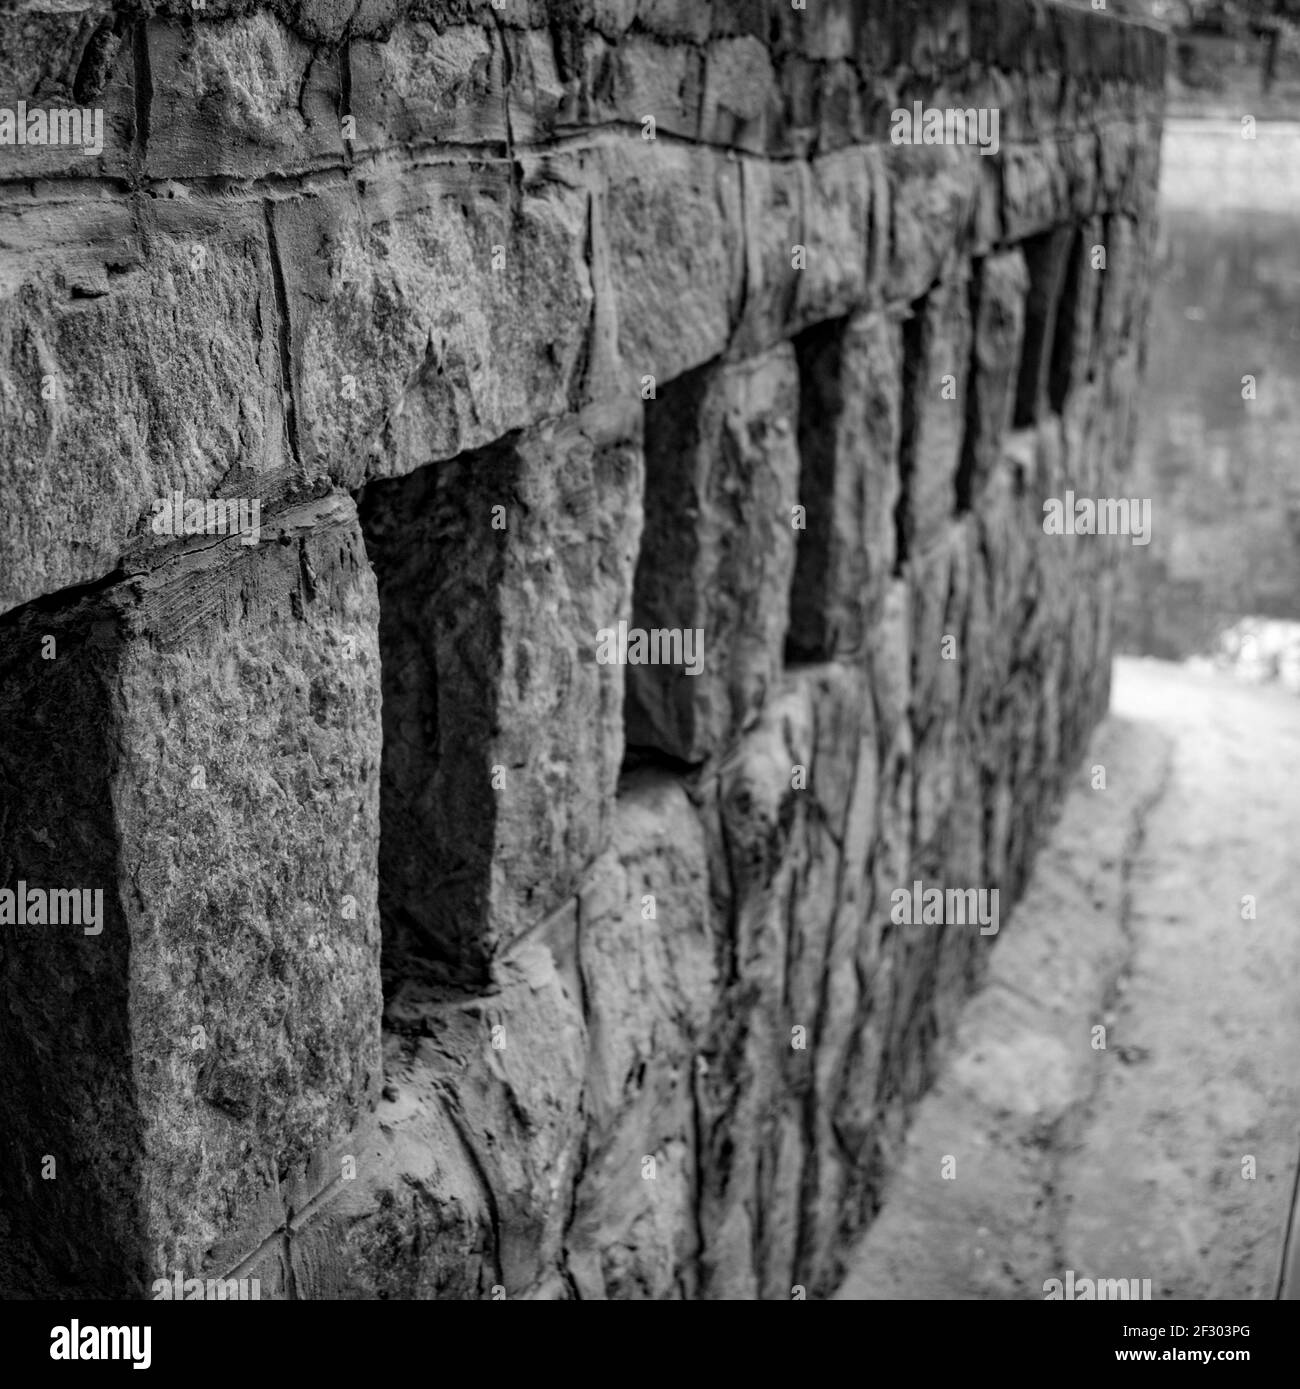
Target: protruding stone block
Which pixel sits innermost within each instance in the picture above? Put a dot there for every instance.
(845, 197)
(498, 574)
(1000, 287)
(850, 377)
(464, 1187)
(936, 346)
(647, 957)
(201, 744)
(130, 366)
(676, 257)
(433, 312)
(717, 556)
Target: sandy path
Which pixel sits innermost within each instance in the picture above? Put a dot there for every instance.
(1128, 1161)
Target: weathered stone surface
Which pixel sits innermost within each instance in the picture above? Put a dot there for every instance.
(936, 349)
(1000, 286)
(241, 97)
(849, 431)
(676, 266)
(842, 835)
(891, 664)
(938, 609)
(774, 199)
(232, 833)
(1121, 287)
(636, 78)
(845, 216)
(1034, 187)
(433, 313)
(648, 974)
(132, 362)
(283, 923)
(738, 81)
(934, 189)
(497, 575)
(749, 1191)
(718, 550)
(67, 60)
(463, 1185)
(420, 88)
(800, 784)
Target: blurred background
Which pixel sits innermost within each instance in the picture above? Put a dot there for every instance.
(1220, 581)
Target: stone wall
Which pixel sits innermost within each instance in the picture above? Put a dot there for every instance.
(441, 957)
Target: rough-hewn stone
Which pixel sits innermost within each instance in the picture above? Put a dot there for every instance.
(647, 958)
(849, 422)
(133, 363)
(497, 575)
(718, 550)
(229, 818)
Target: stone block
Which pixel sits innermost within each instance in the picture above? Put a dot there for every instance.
(851, 375)
(221, 714)
(421, 88)
(718, 551)
(933, 191)
(739, 83)
(433, 313)
(844, 199)
(1000, 289)
(774, 197)
(936, 365)
(67, 78)
(464, 1184)
(640, 76)
(238, 98)
(676, 257)
(497, 575)
(940, 585)
(131, 365)
(649, 977)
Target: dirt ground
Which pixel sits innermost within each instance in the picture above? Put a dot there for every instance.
(1166, 910)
